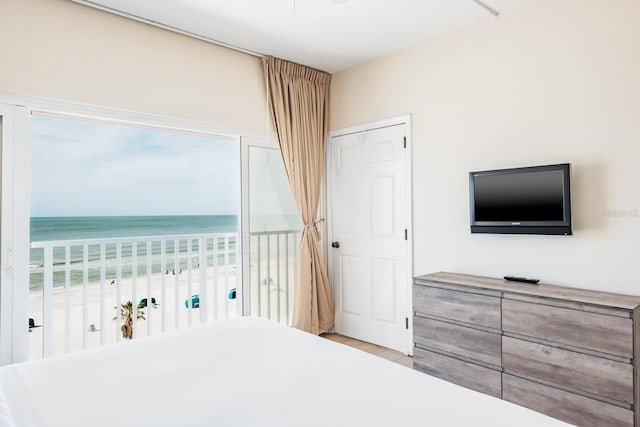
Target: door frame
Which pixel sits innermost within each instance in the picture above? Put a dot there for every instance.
(14, 223)
(404, 120)
(16, 193)
(246, 142)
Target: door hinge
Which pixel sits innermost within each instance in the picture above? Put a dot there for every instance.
(404, 139)
(406, 323)
(406, 234)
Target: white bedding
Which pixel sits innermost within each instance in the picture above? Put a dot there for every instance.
(243, 372)
(6, 420)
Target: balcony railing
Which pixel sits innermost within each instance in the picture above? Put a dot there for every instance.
(273, 271)
(176, 281)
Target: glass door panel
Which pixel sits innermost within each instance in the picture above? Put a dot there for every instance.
(134, 231)
(274, 230)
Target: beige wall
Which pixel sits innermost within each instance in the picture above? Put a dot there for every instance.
(61, 50)
(554, 81)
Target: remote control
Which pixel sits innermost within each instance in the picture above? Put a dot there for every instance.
(521, 279)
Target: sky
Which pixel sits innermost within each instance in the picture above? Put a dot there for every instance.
(87, 168)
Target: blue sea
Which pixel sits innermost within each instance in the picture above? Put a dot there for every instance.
(70, 228)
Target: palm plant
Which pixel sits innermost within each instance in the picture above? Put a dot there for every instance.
(126, 313)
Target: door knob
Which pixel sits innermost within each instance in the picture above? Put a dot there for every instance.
(335, 245)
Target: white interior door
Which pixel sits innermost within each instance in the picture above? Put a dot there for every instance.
(369, 220)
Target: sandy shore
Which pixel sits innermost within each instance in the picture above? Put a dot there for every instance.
(170, 292)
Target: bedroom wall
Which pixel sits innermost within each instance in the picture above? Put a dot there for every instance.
(553, 81)
(62, 50)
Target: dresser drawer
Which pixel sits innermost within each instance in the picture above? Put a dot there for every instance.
(580, 372)
(592, 331)
(466, 374)
(458, 340)
(459, 306)
(565, 406)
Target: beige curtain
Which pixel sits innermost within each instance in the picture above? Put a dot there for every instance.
(298, 101)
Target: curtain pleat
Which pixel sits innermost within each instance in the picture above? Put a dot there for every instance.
(298, 104)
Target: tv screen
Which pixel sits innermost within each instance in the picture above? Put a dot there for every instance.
(532, 200)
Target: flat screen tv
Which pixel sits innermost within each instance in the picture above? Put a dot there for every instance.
(531, 200)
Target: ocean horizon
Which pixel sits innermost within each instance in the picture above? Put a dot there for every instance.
(93, 227)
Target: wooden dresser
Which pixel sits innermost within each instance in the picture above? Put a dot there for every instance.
(569, 353)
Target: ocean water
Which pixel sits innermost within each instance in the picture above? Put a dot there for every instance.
(70, 228)
(91, 227)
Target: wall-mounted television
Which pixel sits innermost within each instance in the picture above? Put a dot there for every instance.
(530, 200)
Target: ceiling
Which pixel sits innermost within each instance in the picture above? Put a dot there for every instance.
(329, 35)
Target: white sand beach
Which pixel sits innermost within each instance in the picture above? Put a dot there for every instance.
(170, 292)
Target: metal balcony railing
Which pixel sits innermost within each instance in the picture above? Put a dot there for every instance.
(273, 272)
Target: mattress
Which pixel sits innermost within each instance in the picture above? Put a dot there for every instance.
(241, 372)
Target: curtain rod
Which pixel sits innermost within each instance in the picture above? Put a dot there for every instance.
(166, 27)
(486, 7)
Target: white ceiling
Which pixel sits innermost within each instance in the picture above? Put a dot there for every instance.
(330, 35)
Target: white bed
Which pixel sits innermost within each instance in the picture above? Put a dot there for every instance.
(243, 372)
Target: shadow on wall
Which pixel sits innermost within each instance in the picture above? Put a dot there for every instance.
(588, 197)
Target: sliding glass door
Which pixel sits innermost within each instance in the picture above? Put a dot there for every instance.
(57, 266)
(14, 231)
(271, 233)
